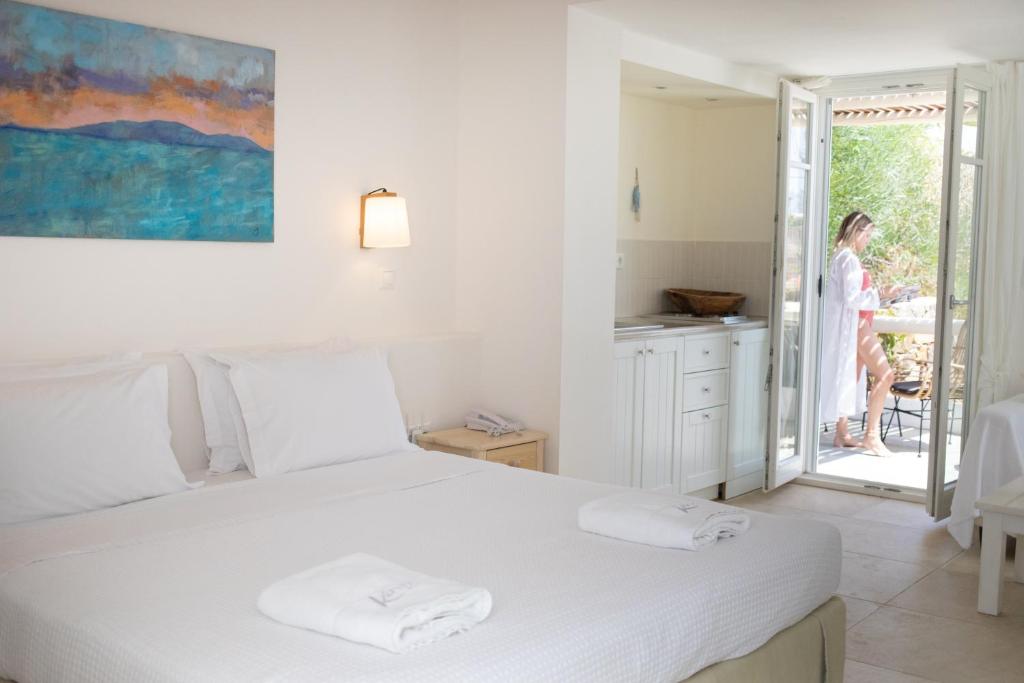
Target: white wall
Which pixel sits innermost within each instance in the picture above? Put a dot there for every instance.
(588, 288)
(655, 137)
(706, 174)
(365, 96)
(733, 173)
(510, 159)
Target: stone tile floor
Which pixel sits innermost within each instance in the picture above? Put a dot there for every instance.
(910, 591)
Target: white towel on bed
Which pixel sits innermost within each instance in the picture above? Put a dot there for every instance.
(662, 520)
(365, 599)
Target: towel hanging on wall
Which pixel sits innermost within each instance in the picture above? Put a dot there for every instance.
(636, 193)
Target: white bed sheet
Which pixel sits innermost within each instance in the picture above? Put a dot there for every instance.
(165, 590)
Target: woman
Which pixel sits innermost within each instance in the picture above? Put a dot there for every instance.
(849, 344)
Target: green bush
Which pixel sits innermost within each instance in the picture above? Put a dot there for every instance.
(892, 172)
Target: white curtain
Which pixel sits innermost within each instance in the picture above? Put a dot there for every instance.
(999, 305)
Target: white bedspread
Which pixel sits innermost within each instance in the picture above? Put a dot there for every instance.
(993, 457)
(165, 590)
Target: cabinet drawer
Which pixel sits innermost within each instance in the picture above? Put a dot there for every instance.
(523, 455)
(699, 417)
(705, 389)
(706, 352)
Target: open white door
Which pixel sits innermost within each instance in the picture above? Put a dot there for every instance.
(796, 203)
(962, 205)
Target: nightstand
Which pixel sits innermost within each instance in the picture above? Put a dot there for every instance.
(523, 449)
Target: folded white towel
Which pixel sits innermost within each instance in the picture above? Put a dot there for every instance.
(663, 520)
(365, 599)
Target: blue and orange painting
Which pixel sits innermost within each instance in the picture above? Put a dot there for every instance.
(110, 129)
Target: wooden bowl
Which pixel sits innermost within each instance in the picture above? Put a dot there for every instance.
(703, 302)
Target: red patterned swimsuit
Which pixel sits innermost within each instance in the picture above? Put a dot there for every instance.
(867, 315)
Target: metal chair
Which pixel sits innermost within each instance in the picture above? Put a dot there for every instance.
(919, 388)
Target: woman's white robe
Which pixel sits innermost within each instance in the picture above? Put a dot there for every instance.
(844, 299)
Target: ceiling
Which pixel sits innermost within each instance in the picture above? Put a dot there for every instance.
(645, 81)
(831, 37)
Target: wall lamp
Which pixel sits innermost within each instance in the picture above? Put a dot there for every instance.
(383, 220)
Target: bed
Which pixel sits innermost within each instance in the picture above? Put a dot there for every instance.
(164, 589)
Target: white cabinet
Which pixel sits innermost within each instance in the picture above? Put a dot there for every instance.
(748, 412)
(646, 413)
(691, 412)
(703, 448)
(705, 412)
(628, 412)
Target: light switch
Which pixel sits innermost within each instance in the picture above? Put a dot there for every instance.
(387, 279)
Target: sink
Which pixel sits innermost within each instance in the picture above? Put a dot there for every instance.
(688, 323)
(635, 325)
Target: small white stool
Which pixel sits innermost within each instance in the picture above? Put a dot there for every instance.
(1002, 513)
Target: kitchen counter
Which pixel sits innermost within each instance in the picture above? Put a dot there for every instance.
(686, 329)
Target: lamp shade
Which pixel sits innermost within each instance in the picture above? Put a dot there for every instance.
(384, 222)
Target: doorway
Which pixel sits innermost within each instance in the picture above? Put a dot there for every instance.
(937, 410)
(885, 158)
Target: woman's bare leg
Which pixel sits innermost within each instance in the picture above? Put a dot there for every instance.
(871, 353)
(842, 438)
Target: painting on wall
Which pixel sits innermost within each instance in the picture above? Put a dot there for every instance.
(110, 129)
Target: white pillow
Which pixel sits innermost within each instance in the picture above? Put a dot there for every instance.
(72, 368)
(216, 400)
(71, 444)
(308, 410)
(222, 417)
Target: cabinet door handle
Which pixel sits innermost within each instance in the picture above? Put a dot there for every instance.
(706, 390)
(650, 350)
(639, 352)
(706, 416)
(736, 343)
(706, 352)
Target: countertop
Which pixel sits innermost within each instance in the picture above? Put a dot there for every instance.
(680, 330)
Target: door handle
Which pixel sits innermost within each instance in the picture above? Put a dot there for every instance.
(954, 302)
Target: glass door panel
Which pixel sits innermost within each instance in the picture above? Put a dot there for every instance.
(963, 204)
(960, 310)
(789, 291)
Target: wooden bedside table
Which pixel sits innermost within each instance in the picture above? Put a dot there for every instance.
(523, 449)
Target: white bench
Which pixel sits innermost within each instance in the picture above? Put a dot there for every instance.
(1002, 513)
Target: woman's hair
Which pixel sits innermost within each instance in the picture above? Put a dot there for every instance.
(854, 223)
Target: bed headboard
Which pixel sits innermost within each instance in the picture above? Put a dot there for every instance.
(437, 379)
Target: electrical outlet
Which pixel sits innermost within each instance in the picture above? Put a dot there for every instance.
(620, 261)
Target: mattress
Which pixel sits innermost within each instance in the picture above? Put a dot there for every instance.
(165, 589)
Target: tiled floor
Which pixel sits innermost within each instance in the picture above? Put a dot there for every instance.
(910, 591)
